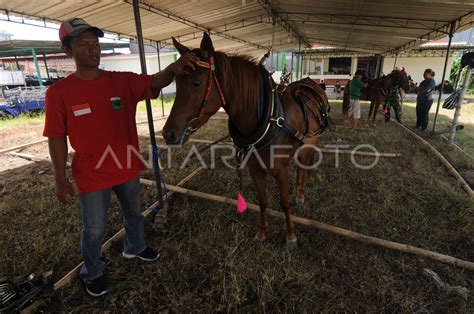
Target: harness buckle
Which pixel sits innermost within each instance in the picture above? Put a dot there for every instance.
(278, 121)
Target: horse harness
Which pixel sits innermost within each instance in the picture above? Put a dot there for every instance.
(269, 111)
(271, 115)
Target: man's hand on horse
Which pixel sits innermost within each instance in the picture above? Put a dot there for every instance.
(188, 60)
(65, 191)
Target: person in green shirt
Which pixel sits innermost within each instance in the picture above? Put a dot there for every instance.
(355, 87)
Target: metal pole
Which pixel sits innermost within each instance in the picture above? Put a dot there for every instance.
(46, 64)
(377, 66)
(298, 61)
(276, 63)
(159, 70)
(38, 73)
(283, 60)
(301, 64)
(17, 64)
(149, 112)
(308, 70)
(457, 113)
(291, 78)
(451, 32)
(395, 62)
(297, 66)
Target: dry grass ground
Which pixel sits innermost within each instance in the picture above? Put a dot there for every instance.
(210, 261)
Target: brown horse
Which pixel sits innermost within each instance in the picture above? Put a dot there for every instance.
(377, 91)
(298, 115)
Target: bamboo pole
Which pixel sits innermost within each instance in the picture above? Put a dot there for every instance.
(33, 157)
(11, 149)
(14, 148)
(322, 149)
(349, 152)
(157, 119)
(441, 158)
(69, 277)
(28, 156)
(457, 147)
(348, 127)
(329, 228)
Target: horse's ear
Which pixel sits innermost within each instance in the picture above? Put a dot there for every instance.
(181, 48)
(207, 49)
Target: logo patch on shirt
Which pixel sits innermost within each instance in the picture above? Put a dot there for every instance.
(80, 110)
(116, 103)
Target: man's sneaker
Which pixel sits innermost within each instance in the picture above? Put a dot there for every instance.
(96, 287)
(147, 255)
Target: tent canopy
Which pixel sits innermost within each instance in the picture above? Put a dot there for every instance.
(253, 26)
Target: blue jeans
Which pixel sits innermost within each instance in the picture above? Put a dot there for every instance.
(423, 106)
(94, 208)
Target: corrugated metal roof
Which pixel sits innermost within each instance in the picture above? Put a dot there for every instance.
(252, 26)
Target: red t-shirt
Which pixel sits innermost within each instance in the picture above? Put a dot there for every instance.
(99, 118)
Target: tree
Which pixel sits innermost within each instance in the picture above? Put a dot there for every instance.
(454, 72)
(454, 69)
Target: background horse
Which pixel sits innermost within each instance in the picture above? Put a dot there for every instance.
(241, 87)
(377, 91)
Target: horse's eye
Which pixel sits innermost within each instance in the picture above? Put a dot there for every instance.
(196, 83)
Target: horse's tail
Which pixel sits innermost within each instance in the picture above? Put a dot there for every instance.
(345, 100)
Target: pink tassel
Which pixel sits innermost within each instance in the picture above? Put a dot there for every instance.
(241, 204)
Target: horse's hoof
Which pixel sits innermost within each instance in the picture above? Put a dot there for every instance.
(300, 201)
(261, 237)
(292, 244)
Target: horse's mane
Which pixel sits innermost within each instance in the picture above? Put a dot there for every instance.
(241, 81)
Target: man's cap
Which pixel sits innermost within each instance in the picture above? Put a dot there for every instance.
(76, 26)
(359, 72)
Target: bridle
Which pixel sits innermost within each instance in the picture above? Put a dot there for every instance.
(189, 128)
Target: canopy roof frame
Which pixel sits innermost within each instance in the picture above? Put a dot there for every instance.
(289, 17)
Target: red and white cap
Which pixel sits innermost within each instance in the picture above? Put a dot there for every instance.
(76, 26)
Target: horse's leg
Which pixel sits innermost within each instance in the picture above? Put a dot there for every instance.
(300, 178)
(370, 110)
(376, 110)
(305, 158)
(283, 186)
(260, 182)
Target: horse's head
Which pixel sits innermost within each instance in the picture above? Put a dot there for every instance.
(198, 95)
(401, 78)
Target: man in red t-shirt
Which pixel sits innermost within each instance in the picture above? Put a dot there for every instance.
(96, 110)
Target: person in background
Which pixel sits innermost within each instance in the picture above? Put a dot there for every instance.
(322, 85)
(355, 88)
(424, 100)
(394, 100)
(337, 89)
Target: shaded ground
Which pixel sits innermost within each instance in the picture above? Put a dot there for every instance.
(210, 261)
